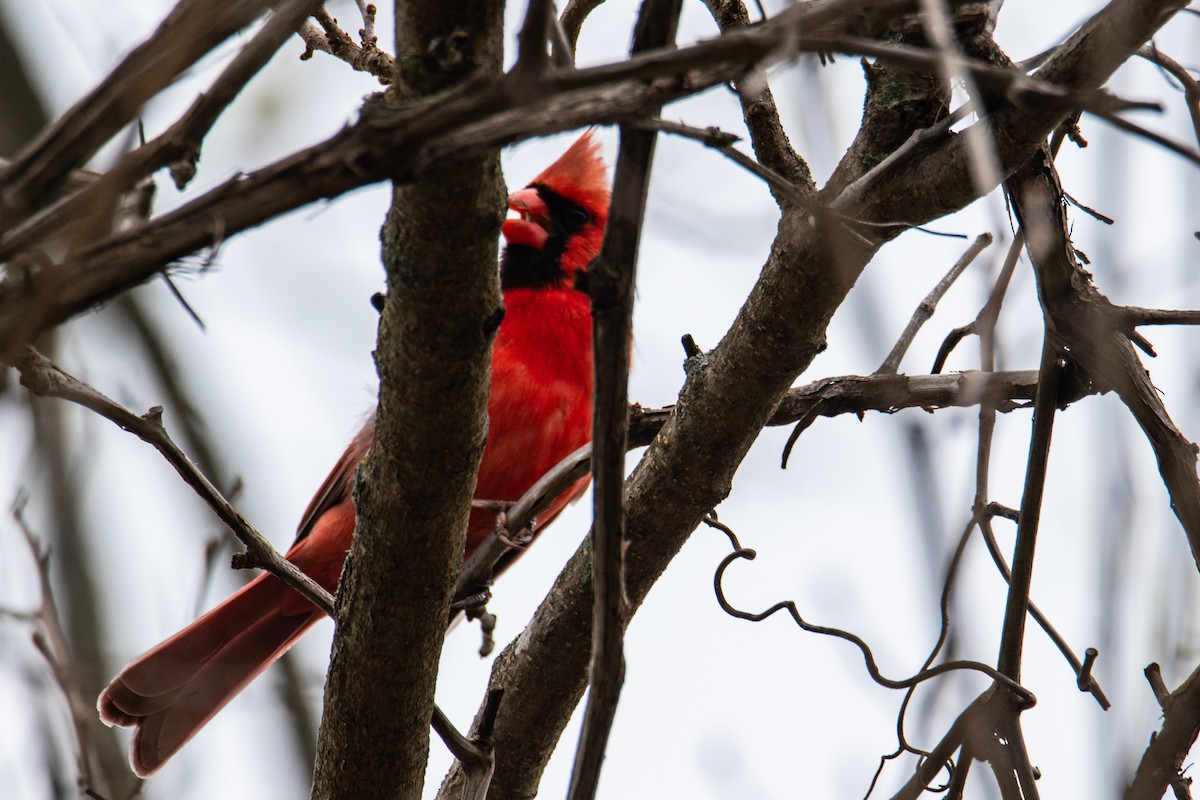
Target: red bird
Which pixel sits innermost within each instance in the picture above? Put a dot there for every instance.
(539, 409)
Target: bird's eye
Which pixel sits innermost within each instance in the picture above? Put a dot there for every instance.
(577, 218)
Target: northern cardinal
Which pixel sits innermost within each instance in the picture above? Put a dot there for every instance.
(540, 410)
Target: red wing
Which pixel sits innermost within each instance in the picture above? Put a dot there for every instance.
(340, 482)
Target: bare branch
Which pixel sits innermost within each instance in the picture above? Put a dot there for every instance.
(1162, 763)
(477, 756)
(367, 57)
(44, 379)
(610, 284)
(179, 146)
(51, 641)
(925, 310)
(1191, 87)
(192, 29)
(1079, 316)
(573, 17)
(1017, 609)
(1132, 316)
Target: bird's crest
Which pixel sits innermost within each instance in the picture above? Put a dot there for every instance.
(580, 175)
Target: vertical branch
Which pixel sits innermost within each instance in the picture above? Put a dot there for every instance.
(1044, 403)
(79, 614)
(610, 284)
(413, 492)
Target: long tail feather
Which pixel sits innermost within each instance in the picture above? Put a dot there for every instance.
(170, 692)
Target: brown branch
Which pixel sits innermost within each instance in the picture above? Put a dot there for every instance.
(178, 146)
(191, 30)
(365, 57)
(1082, 669)
(767, 136)
(71, 182)
(44, 379)
(477, 756)
(402, 143)
(1162, 764)
(1191, 87)
(1083, 319)
(532, 58)
(610, 284)
(573, 17)
(722, 142)
(1133, 316)
(1017, 610)
(51, 641)
(925, 310)
(1165, 142)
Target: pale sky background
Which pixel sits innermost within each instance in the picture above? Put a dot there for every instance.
(712, 707)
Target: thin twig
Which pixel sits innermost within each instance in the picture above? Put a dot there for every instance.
(366, 57)
(925, 310)
(51, 641)
(178, 147)
(1191, 87)
(1023, 695)
(1045, 404)
(1167, 143)
(477, 756)
(44, 379)
(610, 284)
(767, 135)
(1082, 669)
(1132, 316)
(1162, 764)
(723, 142)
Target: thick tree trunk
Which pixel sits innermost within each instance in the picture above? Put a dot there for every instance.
(414, 491)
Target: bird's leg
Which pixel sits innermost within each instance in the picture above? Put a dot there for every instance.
(500, 508)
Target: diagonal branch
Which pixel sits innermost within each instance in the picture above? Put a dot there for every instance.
(192, 29)
(44, 379)
(178, 146)
(1081, 318)
(1162, 764)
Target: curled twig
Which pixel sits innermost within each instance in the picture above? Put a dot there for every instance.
(1025, 697)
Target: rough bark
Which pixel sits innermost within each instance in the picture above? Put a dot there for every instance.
(414, 490)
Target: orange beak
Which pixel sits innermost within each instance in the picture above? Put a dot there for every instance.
(531, 227)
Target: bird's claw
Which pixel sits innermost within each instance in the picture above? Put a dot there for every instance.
(522, 538)
(473, 603)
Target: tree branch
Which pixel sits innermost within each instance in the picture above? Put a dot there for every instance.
(610, 282)
(44, 379)
(191, 30)
(1162, 764)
